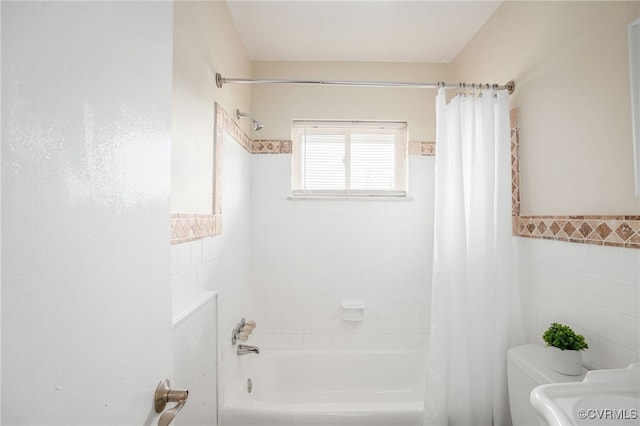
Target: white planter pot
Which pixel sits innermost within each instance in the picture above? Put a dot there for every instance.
(565, 362)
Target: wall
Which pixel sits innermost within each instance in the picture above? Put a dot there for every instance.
(569, 61)
(309, 256)
(277, 105)
(206, 42)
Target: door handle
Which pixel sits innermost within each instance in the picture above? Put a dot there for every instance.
(165, 394)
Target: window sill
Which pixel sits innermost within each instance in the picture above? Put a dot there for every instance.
(349, 198)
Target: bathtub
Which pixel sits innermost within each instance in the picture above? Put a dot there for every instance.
(346, 388)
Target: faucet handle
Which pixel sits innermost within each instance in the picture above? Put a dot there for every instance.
(242, 331)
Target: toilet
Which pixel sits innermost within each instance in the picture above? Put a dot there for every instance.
(528, 367)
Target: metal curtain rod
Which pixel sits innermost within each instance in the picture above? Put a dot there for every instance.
(509, 85)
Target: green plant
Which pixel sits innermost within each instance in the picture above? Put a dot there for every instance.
(564, 338)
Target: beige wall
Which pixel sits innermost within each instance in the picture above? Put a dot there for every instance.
(205, 42)
(277, 105)
(570, 64)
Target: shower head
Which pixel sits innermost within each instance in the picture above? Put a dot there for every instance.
(256, 124)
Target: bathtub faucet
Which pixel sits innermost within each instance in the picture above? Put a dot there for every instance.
(248, 349)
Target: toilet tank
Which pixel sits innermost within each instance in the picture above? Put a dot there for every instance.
(528, 367)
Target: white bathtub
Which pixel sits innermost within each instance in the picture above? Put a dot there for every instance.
(344, 388)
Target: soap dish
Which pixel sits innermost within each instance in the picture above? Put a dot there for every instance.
(353, 311)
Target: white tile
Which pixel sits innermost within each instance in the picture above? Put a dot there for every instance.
(319, 326)
(383, 311)
(622, 296)
(320, 341)
(373, 326)
(319, 297)
(415, 294)
(414, 310)
(191, 287)
(576, 256)
(604, 353)
(264, 312)
(565, 283)
(273, 341)
(269, 296)
(629, 333)
(207, 250)
(581, 314)
(317, 311)
(548, 252)
(543, 279)
(417, 341)
(267, 327)
(370, 341)
(178, 293)
(309, 341)
(417, 326)
(207, 275)
(590, 289)
(303, 325)
(184, 257)
(287, 324)
(615, 262)
(295, 341)
(174, 260)
(604, 323)
(196, 252)
(288, 296)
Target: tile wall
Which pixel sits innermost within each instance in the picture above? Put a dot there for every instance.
(309, 256)
(593, 288)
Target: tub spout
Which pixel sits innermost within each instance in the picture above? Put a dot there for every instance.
(248, 349)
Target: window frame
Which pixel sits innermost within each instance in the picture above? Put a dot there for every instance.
(348, 128)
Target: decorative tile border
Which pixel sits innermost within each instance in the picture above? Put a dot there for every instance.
(276, 146)
(188, 226)
(515, 170)
(271, 146)
(225, 122)
(422, 148)
(619, 231)
(515, 163)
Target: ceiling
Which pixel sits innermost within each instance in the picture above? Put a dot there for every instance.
(372, 31)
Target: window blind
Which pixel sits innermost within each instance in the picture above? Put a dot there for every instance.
(349, 158)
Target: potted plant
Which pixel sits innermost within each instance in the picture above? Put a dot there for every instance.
(565, 349)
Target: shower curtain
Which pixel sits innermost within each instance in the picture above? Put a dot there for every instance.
(475, 314)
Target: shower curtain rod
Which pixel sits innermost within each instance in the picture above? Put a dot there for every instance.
(509, 85)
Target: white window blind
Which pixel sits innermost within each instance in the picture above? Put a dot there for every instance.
(349, 159)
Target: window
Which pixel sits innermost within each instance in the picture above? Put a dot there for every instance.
(349, 158)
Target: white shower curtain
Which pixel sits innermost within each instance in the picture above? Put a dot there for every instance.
(475, 313)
